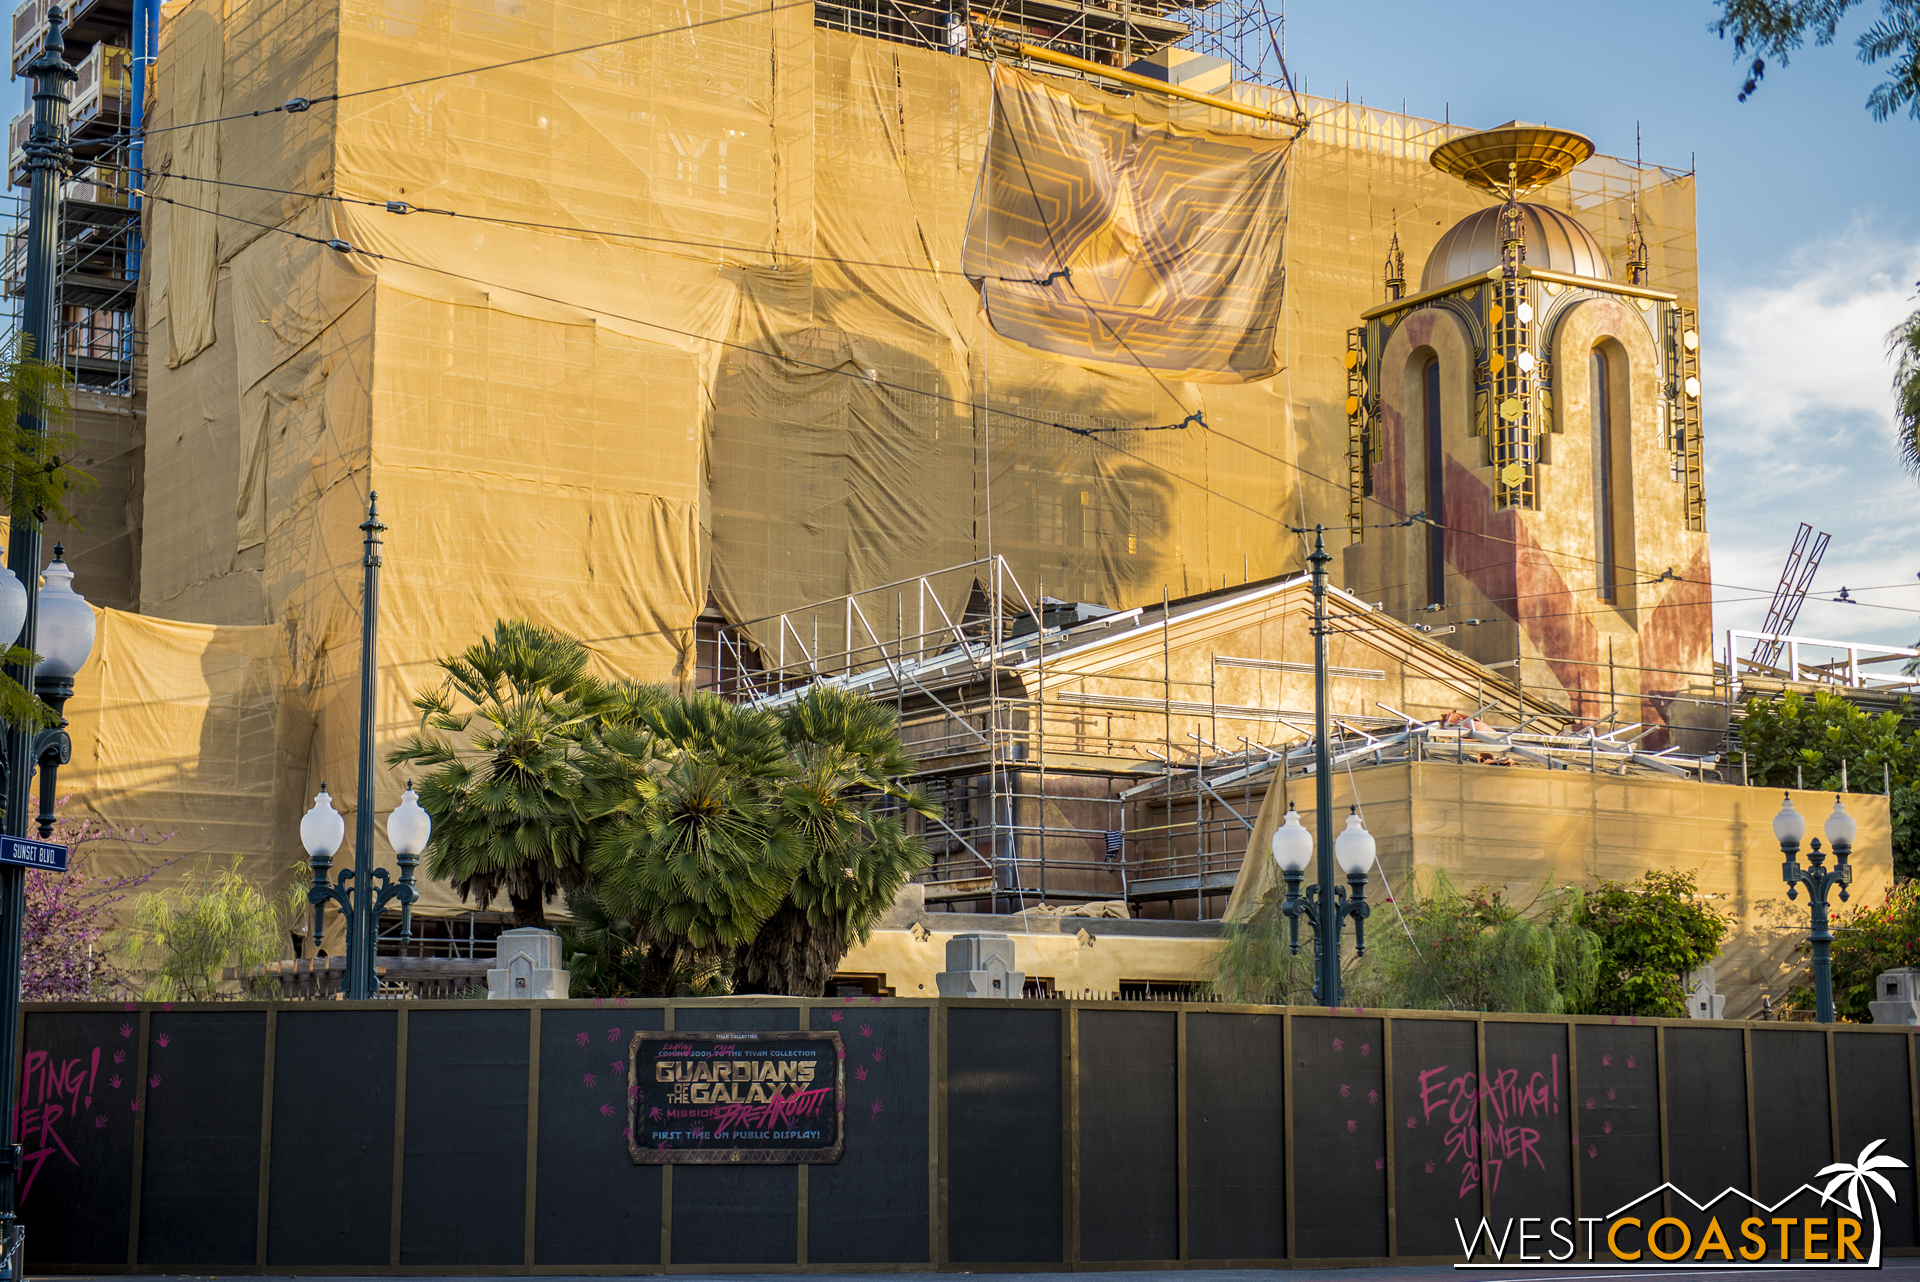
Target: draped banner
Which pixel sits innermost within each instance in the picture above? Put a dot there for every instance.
(1098, 235)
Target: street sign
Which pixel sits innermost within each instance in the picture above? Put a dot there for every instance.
(25, 852)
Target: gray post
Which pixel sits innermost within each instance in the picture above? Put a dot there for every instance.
(48, 157)
(363, 923)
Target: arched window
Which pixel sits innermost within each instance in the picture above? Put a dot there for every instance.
(1603, 479)
(1436, 469)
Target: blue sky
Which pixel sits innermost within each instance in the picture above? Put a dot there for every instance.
(1809, 235)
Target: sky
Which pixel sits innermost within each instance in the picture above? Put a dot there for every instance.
(1809, 238)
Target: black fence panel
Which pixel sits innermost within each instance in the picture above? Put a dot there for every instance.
(1436, 1128)
(1618, 1114)
(206, 1072)
(592, 1204)
(1236, 1137)
(1339, 1138)
(1526, 1134)
(1129, 1135)
(79, 1111)
(464, 1184)
(386, 1138)
(1003, 1123)
(873, 1205)
(330, 1164)
(1792, 1135)
(1873, 1076)
(746, 1214)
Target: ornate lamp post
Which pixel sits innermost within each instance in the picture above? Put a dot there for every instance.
(66, 639)
(363, 890)
(1790, 826)
(1325, 905)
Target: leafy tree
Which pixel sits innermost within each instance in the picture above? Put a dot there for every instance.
(1795, 739)
(37, 474)
(1777, 29)
(1254, 965)
(211, 920)
(69, 916)
(842, 805)
(1869, 941)
(1477, 950)
(518, 721)
(1651, 932)
(692, 847)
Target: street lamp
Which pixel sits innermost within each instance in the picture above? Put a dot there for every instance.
(1790, 826)
(1324, 909)
(363, 890)
(1332, 905)
(66, 630)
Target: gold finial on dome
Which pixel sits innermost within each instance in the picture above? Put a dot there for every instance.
(1513, 158)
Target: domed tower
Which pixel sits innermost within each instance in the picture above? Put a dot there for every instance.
(1525, 428)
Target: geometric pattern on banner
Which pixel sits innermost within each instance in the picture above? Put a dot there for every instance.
(1095, 235)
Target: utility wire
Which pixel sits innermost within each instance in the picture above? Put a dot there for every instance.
(295, 105)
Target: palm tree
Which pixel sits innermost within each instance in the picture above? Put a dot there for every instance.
(518, 718)
(1903, 345)
(691, 845)
(844, 807)
(1855, 1176)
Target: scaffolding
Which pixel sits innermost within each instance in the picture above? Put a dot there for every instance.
(1051, 791)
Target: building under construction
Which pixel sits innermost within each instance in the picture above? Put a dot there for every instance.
(711, 333)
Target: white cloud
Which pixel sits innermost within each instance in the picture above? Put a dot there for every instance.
(1799, 427)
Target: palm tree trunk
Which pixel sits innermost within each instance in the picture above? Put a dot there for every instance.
(529, 911)
(788, 958)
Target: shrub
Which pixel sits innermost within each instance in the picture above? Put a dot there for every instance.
(1651, 932)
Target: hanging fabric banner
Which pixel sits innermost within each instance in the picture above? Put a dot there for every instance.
(1099, 235)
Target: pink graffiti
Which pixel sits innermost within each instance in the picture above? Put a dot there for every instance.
(114, 1081)
(775, 1112)
(841, 1052)
(653, 1114)
(1373, 1097)
(860, 1074)
(1606, 1128)
(1429, 1168)
(163, 1039)
(837, 1016)
(1379, 1163)
(606, 1110)
(1630, 1063)
(588, 1079)
(134, 1104)
(119, 1057)
(1607, 1060)
(580, 1039)
(1352, 1125)
(1345, 1090)
(1366, 1048)
(154, 1081)
(1338, 1045)
(99, 1120)
(1609, 1092)
(866, 1030)
(879, 1107)
(166, 1005)
(128, 1006)
(1487, 1118)
(1589, 1103)
(851, 1000)
(613, 1034)
(616, 1066)
(1592, 1151)
(879, 1054)
(1411, 1123)
(126, 1030)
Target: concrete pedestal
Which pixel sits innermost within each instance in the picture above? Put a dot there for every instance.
(527, 965)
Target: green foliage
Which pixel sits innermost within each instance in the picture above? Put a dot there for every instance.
(213, 918)
(1794, 738)
(506, 743)
(1254, 965)
(1903, 345)
(1869, 941)
(1777, 29)
(1476, 950)
(842, 806)
(1651, 933)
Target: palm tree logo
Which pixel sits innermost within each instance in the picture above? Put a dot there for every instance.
(1854, 1176)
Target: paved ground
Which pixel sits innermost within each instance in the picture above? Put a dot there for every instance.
(1907, 1269)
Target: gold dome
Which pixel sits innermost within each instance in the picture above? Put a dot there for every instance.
(1556, 242)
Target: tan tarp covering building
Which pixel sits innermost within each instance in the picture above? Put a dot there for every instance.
(1522, 829)
(702, 327)
(1098, 237)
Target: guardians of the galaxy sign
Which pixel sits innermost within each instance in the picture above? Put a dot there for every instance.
(736, 1097)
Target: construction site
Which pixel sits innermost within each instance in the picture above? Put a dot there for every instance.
(762, 347)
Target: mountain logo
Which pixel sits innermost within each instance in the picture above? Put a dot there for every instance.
(1760, 1239)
